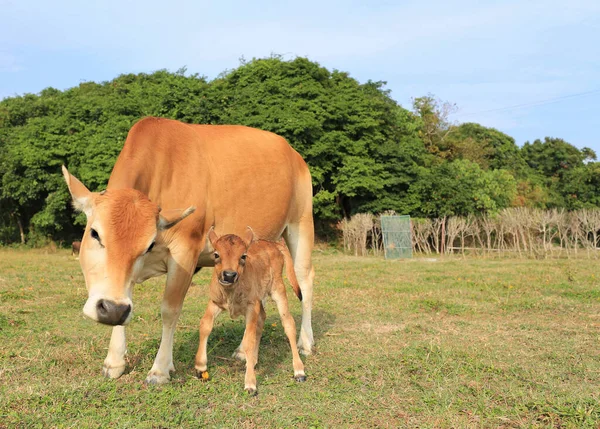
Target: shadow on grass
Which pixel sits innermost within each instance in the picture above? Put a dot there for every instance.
(226, 337)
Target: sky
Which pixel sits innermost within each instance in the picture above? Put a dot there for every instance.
(529, 68)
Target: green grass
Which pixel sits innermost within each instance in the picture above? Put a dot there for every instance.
(453, 343)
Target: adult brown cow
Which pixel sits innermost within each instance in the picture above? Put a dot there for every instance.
(221, 175)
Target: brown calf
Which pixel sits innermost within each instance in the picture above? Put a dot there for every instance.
(246, 272)
(75, 248)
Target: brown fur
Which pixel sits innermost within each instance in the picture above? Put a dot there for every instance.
(259, 275)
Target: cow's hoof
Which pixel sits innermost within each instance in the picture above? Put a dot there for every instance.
(202, 375)
(251, 391)
(305, 349)
(239, 355)
(155, 379)
(113, 371)
(300, 378)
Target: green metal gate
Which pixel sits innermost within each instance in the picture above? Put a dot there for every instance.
(397, 237)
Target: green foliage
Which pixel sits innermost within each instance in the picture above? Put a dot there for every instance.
(434, 125)
(488, 147)
(580, 187)
(553, 157)
(461, 187)
(568, 173)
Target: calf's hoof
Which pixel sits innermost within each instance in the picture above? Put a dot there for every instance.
(202, 375)
(300, 378)
(251, 391)
(113, 371)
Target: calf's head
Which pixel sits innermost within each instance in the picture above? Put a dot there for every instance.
(230, 253)
(122, 227)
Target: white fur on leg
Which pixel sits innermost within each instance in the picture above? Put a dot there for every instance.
(299, 238)
(163, 364)
(305, 339)
(114, 364)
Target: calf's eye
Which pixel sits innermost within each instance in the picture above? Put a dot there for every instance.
(216, 255)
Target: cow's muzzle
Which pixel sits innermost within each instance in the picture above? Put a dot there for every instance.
(111, 313)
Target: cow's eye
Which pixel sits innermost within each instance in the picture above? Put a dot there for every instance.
(243, 258)
(216, 255)
(150, 248)
(95, 235)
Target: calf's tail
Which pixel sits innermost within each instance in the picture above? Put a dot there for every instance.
(289, 268)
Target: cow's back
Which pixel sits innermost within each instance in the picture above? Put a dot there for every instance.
(235, 176)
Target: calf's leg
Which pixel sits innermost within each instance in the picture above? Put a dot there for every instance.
(250, 345)
(206, 325)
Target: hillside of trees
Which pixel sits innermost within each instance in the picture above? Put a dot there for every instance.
(365, 151)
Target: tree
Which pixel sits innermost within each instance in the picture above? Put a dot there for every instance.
(488, 147)
(435, 125)
(554, 156)
(461, 187)
(580, 187)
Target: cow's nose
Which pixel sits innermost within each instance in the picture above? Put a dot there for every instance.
(111, 313)
(229, 276)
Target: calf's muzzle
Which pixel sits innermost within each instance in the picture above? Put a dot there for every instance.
(229, 277)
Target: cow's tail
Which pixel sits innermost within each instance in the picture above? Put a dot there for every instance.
(289, 268)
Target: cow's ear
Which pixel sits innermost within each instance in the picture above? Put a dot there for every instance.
(82, 197)
(212, 236)
(249, 237)
(169, 218)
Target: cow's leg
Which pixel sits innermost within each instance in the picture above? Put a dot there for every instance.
(289, 326)
(300, 240)
(206, 326)
(180, 269)
(250, 346)
(114, 364)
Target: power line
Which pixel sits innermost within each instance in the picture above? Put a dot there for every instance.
(534, 103)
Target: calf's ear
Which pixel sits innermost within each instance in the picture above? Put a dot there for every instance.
(212, 236)
(170, 218)
(82, 197)
(249, 237)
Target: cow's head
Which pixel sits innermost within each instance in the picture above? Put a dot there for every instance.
(122, 226)
(230, 255)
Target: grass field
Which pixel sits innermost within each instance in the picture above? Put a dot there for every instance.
(447, 343)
